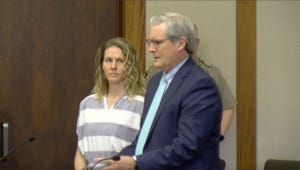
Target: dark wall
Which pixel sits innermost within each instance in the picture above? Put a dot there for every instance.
(47, 50)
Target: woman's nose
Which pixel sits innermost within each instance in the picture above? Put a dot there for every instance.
(113, 64)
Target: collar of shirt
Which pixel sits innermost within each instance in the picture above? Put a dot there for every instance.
(170, 75)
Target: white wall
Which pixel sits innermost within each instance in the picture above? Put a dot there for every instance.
(278, 77)
(217, 28)
(278, 80)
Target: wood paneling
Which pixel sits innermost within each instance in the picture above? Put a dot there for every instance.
(246, 84)
(47, 50)
(134, 25)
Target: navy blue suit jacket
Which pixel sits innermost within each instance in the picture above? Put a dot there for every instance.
(186, 129)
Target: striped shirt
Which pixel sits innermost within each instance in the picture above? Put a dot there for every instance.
(102, 131)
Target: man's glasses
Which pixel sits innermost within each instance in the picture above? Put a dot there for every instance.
(155, 43)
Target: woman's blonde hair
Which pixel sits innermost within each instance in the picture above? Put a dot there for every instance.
(133, 79)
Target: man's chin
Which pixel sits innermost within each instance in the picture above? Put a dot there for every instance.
(156, 65)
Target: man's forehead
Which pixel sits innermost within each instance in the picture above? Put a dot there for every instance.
(157, 31)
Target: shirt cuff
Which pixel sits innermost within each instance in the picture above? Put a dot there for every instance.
(134, 158)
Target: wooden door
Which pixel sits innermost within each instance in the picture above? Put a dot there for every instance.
(47, 50)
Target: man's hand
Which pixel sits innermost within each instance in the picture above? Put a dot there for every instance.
(125, 163)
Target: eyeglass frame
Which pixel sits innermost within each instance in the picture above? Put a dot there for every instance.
(155, 43)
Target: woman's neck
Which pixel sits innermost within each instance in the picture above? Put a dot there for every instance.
(114, 93)
(116, 90)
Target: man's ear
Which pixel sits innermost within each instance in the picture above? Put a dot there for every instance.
(180, 43)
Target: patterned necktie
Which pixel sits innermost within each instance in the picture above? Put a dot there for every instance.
(150, 115)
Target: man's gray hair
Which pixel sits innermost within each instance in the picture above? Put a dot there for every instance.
(177, 25)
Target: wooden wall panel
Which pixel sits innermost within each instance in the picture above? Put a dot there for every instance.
(246, 84)
(47, 50)
(134, 25)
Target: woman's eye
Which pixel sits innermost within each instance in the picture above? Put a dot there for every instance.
(120, 61)
(108, 60)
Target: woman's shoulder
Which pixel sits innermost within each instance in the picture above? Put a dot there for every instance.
(135, 99)
(89, 97)
(139, 98)
(92, 98)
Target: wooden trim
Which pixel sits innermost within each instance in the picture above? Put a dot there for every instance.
(134, 25)
(246, 84)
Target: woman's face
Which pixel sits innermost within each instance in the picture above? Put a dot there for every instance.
(113, 65)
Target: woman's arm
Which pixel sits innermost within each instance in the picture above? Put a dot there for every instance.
(79, 162)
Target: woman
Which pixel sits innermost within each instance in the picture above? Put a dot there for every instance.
(109, 118)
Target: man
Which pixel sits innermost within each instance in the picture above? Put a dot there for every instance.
(228, 99)
(185, 130)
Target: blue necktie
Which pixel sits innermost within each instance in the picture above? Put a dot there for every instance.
(150, 115)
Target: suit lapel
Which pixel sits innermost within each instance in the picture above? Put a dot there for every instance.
(171, 91)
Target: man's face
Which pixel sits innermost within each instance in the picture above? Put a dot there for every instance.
(163, 50)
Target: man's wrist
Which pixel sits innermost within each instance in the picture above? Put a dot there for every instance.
(135, 163)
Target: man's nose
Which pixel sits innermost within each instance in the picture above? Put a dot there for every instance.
(151, 48)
